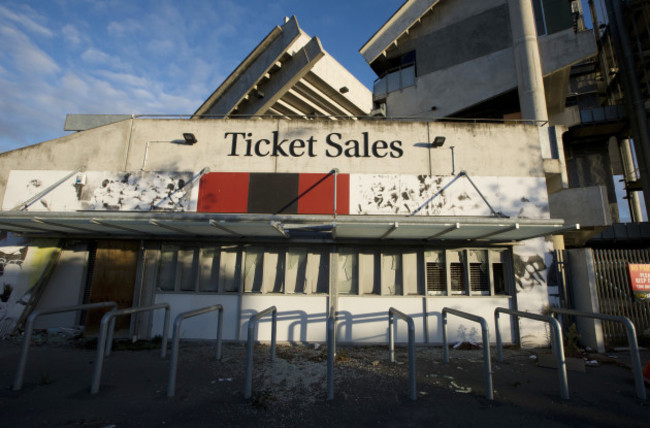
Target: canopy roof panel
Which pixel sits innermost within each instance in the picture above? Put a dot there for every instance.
(159, 225)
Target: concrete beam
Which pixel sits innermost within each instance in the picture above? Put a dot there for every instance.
(405, 17)
(224, 100)
(284, 79)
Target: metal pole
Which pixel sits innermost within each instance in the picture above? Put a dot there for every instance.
(556, 331)
(412, 380)
(636, 361)
(498, 334)
(485, 333)
(99, 357)
(556, 342)
(630, 331)
(487, 362)
(391, 339)
(445, 345)
(219, 332)
(330, 358)
(171, 385)
(248, 378)
(392, 312)
(31, 319)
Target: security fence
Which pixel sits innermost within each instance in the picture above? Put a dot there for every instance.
(615, 296)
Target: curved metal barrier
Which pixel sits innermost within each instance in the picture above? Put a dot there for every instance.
(392, 313)
(252, 323)
(104, 332)
(29, 327)
(489, 389)
(556, 342)
(171, 385)
(631, 339)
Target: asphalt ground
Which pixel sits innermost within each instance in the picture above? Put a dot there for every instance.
(291, 390)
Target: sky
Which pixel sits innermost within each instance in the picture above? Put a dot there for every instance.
(149, 56)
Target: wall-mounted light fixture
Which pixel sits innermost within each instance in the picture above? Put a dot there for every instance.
(438, 142)
(189, 138)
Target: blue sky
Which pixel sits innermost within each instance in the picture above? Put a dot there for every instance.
(149, 56)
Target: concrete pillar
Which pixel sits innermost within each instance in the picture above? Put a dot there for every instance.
(532, 98)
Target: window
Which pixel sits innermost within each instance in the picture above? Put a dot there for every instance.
(479, 279)
(360, 270)
(473, 272)
(191, 268)
(177, 268)
(392, 273)
(348, 271)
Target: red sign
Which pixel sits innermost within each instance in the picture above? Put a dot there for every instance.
(640, 280)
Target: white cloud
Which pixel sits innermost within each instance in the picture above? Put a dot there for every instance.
(71, 34)
(95, 56)
(24, 54)
(25, 22)
(125, 79)
(123, 28)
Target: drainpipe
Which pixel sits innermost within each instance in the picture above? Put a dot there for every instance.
(633, 100)
(631, 176)
(530, 81)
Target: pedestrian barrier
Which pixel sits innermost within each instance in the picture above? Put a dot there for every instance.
(392, 313)
(171, 386)
(631, 339)
(556, 342)
(103, 347)
(29, 327)
(489, 389)
(252, 323)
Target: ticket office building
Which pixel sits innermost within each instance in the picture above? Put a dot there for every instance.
(314, 217)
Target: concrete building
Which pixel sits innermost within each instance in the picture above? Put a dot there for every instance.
(343, 214)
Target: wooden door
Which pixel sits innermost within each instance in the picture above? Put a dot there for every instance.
(113, 279)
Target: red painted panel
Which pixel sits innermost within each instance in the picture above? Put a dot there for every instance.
(317, 194)
(223, 192)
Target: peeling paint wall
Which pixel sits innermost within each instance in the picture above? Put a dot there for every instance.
(95, 190)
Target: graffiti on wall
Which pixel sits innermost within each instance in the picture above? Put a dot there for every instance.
(24, 263)
(520, 197)
(100, 190)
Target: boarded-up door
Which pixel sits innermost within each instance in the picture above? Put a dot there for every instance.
(113, 279)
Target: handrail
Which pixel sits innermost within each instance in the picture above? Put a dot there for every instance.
(171, 385)
(556, 343)
(331, 345)
(252, 323)
(392, 313)
(104, 332)
(631, 339)
(29, 326)
(489, 389)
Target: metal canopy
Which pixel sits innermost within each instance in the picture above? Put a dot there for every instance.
(158, 225)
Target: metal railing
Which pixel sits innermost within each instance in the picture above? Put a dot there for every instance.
(489, 389)
(392, 313)
(556, 343)
(103, 347)
(171, 385)
(631, 339)
(252, 323)
(331, 352)
(29, 327)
